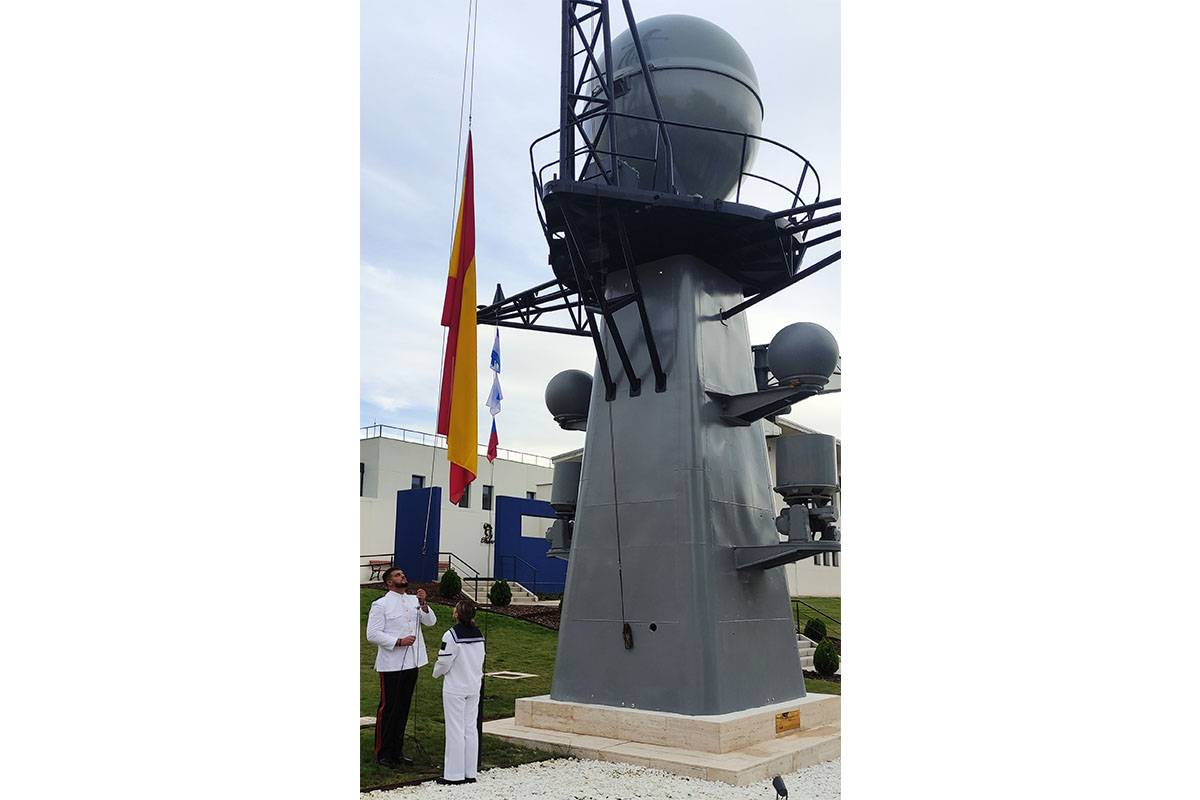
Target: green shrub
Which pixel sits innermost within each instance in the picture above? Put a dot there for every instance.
(814, 629)
(826, 660)
(500, 594)
(450, 585)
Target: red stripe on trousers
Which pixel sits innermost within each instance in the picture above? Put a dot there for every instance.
(379, 714)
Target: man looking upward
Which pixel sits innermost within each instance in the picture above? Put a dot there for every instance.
(392, 625)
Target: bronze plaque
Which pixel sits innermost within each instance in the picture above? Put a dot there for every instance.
(787, 721)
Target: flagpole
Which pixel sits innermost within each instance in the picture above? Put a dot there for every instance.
(495, 396)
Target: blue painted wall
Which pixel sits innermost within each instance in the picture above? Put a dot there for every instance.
(521, 558)
(411, 508)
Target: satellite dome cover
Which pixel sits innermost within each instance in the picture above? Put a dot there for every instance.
(803, 352)
(702, 76)
(568, 395)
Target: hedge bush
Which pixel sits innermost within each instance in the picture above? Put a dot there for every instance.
(500, 594)
(826, 660)
(450, 585)
(814, 629)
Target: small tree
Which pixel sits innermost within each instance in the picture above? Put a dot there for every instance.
(826, 660)
(450, 585)
(500, 594)
(814, 629)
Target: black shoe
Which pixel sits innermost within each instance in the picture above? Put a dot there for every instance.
(405, 760)
(390, 763)
(469, 780)
(445, 782)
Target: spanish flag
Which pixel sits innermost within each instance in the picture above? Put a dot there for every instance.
(458, 417)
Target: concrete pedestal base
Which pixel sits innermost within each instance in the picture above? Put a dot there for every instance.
(739, 748)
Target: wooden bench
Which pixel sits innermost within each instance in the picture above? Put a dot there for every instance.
(378, 568)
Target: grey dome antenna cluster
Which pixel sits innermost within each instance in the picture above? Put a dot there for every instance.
(661, 230)
(564, 495)
(703, 77)
(802, 356)
(567, 397)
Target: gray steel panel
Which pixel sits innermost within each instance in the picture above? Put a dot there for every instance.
(676, 553)
(772, 642)
(652, 523)
(652, 587)
(737, 525)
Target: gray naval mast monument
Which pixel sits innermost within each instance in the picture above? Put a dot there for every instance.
(677, 631)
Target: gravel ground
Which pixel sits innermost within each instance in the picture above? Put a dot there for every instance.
(571, 779)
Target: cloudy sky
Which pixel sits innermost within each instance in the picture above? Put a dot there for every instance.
(412, 60)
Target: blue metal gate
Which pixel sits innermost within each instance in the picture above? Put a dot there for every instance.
(523, 558)
(418, 533)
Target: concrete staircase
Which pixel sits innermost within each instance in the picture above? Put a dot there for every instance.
(807, 648)
(478, 590)
(479, 593)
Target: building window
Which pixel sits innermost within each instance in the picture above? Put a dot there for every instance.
(837, 562)
(487, 497)
(362, 475)
(825, 559)
(465, 502)
(531, 495)
(418, 481)
(817, 560)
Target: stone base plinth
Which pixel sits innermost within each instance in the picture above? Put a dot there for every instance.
(739, 748)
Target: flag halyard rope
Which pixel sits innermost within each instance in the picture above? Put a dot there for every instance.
(465, 99)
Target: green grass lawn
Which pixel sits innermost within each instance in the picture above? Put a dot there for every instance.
(511, 645)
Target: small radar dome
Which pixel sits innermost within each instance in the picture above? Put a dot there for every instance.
(568, 395)
(803, 353)
(702, 77)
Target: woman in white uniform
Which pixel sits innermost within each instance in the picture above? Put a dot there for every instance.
(460, 662)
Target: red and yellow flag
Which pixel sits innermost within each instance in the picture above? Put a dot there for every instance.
(458, 416)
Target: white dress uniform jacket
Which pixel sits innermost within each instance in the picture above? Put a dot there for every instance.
(460, 662)
(393, 617)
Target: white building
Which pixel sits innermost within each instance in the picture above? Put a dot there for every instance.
(392, 459)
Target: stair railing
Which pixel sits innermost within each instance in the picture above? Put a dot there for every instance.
(475, 577)
(797, 602)
(533, 586)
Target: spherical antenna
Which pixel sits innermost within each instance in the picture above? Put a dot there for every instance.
(568, 395)
(803, 353)
(702, 76)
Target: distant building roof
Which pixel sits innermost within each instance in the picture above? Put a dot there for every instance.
(784, 422)
(437, 440)
(570, 455)
(773, 429)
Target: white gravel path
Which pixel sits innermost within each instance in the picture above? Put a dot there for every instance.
(572, 779)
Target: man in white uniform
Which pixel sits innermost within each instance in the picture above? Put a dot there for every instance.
(460, 661)
(393, 625)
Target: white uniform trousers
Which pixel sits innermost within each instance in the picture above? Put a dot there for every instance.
(462, 737)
